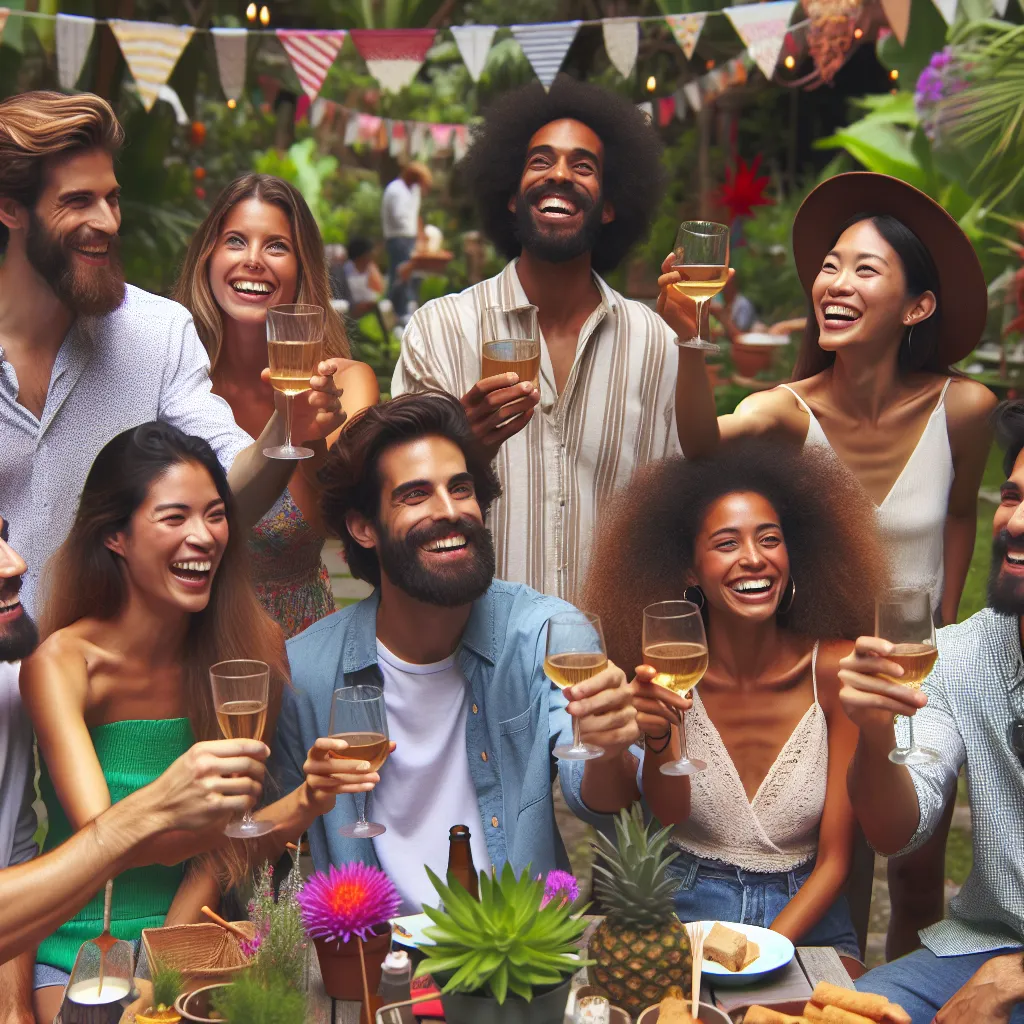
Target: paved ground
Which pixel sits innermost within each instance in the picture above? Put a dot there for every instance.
(575, 834)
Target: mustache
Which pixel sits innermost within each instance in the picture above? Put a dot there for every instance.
(565, 188)
(87, 236)
(438, 531)
(10, 587)
(1001, 545)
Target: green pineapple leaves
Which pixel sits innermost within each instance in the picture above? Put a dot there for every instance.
(504, 943)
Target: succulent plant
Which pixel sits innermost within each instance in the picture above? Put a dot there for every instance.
(503, 943)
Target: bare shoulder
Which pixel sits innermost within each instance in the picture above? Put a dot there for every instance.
(352, 370)
(969, 404)
(776, 409)
(61, 660)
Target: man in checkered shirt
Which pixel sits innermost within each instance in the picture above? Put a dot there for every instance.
(971, 712)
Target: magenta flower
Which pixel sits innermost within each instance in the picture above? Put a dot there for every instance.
(562, 886)
(348, 901)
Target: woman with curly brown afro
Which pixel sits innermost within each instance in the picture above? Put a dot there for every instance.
(779, 549)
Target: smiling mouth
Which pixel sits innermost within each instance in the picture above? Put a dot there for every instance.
(752, 587)
(192, 572)
(838, 315)
(457, 542)
(252, 287)
(10, 607)
(556, 206)
(1015, 558)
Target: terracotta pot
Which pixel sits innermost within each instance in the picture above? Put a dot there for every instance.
(750, 360)
(708, 1015)
(339, 964)
(545, 1008)
(197, 1007)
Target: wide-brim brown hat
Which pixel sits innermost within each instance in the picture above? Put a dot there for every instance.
(835, 202)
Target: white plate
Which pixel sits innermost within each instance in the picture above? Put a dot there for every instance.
(413, 926)
(776, 952)
(755, 338)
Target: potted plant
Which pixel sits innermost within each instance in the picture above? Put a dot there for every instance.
(255, 999)
(280, 941)
(168, 984)
(347, 914)
(505, 958)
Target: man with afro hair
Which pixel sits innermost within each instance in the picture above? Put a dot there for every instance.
(565, 182)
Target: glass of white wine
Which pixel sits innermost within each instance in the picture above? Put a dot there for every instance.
(904, 618)
(295, 339)
(575, 652)
(702, 262)
(359, 717)
(676, 648)
(241, 689)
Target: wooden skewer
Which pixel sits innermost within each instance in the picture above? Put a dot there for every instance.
(696, 936)
(226, 925)
(366, 986)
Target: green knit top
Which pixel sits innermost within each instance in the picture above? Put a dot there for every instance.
(132, 754)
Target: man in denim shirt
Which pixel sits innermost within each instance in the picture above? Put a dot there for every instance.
(459, 655)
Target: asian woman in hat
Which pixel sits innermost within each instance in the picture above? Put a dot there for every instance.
(897, 296)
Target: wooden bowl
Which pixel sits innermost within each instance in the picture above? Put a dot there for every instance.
(708, 1015)
(205, 954)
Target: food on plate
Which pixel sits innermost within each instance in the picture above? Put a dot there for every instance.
(855, 1006)
(764, 1015)
(732, 949)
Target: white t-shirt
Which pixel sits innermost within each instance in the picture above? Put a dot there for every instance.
(400, 210)
(17, 770)
(425, 787)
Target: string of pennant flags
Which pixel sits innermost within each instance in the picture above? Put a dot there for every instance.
(394, 56)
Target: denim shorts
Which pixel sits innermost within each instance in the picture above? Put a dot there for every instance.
(712, 891)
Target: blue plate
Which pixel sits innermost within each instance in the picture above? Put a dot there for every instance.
(776, 951)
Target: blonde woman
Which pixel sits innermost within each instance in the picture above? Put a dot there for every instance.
(260, 247)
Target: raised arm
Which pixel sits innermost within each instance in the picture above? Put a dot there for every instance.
(969, 407)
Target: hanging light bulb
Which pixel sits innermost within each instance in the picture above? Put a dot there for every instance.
(264, 15)
(894, 74)
(232, 103)
(250, 12)
(790, 62)
(858, 33)
(708, 65)
(652, 83)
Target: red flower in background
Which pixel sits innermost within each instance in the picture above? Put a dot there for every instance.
(743, 189)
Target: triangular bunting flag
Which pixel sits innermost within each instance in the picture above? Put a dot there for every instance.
(692, 93)
(897, 13)
(460, 142)
(442, 135)
(947, 8)
(999, 6)
(474, 43)
(312, 52)
(621, 42)
(230, 45)
(545, 46)
(647, 109)
(762, 27)
(351, 136)
(666, 110)
(151, 49)
(686, 28)
(393, 55)
(682, 107)
(74, 35)
(4, 11)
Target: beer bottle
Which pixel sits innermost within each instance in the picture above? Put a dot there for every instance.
(460, 860)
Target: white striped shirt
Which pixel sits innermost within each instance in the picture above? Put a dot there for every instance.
(616, 413)
(975, 690)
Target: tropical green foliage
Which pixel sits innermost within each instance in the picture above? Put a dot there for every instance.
(504, 943)
(250, 999)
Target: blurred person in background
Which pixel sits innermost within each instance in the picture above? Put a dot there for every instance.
(402, 225)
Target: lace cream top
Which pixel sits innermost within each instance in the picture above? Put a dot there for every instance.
(778, 829)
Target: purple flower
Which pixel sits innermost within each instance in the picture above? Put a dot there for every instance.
(250, 947)
(560, 884)
(348, 901)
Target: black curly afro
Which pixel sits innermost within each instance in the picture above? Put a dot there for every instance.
(633, 178)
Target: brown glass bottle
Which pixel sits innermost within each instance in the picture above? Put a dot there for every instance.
(460, 860)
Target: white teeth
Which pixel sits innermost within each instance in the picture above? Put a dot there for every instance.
(192, 566)
(447, 544)
(6, 604)
(252, 287)
(554, 204)
(752, 586)
(1014, 559)
(844, 311)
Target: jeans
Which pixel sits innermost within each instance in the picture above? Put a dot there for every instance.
(401, 293)
(922, 982)
(713, 891)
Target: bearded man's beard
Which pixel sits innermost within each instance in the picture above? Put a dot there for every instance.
(550, 244)
(446, 586)
(1005, 591)
(19, 639)
(91, 291)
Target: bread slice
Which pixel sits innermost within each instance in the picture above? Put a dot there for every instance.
(726, 947)
(753, 952)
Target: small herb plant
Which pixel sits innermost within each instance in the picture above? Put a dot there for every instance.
(168, 984)
(252, 999)
(279, 947)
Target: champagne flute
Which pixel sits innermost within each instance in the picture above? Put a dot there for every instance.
(675, 646)
(358, 717)
(702, 262)
(241, 689)
(511, 343)
(575, 652)
(904, 618)
(295, 336)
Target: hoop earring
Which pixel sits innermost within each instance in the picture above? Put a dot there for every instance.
(695, 596)
(787, 598)
(910, 343)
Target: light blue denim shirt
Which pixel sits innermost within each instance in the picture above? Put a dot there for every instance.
(516, 719)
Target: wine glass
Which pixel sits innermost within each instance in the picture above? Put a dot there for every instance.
(511, 343)
(358, 717)
(904, 618)
(575, 652)
(676, 648)
(295, 338)
(702, 262)
(241, 688)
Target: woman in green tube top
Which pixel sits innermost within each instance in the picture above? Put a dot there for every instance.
(149, 590)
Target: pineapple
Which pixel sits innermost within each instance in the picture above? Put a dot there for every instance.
(640, 948)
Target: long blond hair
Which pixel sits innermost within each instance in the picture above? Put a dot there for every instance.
(193, 287)
(37, 125)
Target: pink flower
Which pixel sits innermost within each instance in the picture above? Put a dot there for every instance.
(348, 901)
(560, 885)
